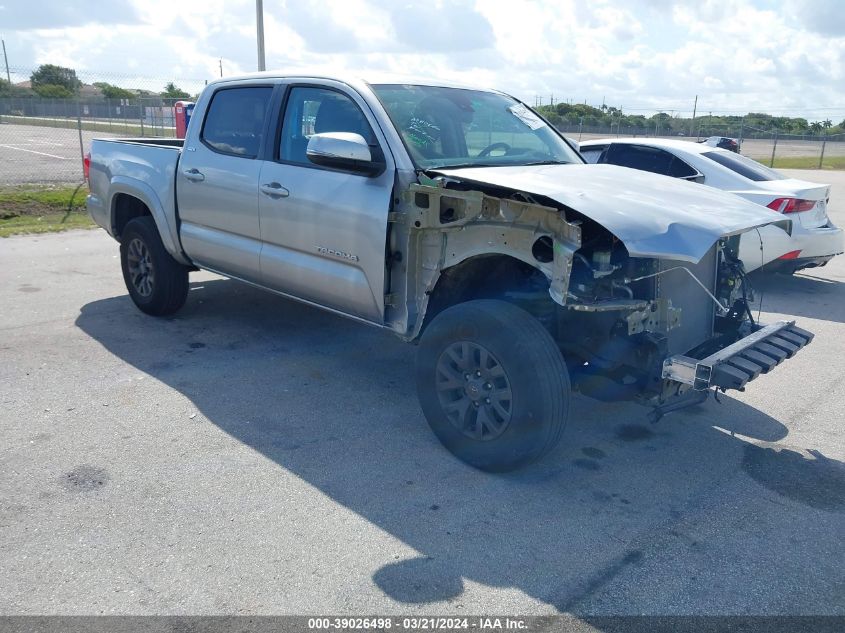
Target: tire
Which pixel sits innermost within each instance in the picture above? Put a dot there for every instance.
(157, 283)
(523, 391)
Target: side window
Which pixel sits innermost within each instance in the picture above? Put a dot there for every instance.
(234, 122)
(679, 169)
(639, 157)
(314, 111)
(592, 153)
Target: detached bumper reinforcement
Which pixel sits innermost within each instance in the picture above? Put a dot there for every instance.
(740, 362)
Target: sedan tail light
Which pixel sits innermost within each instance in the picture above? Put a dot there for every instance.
(791, 205)
(790, 255)
(86, 165)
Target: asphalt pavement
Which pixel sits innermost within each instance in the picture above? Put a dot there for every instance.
(252, 455)
(36, 154)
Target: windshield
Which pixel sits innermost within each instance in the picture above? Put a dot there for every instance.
(453, 127)
(744, 166)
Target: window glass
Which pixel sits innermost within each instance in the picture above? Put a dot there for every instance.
(639, 157)
(234, 123)
(680, 169)
(314, 111)
(744, 166)
(647, 158)
(453, 127)
(593, 153)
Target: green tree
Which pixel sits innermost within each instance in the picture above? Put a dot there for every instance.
(11, 90)
(171, 91)
(54, 81)
(53, 91)
(114, 92)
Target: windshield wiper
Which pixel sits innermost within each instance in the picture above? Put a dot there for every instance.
(463, 165)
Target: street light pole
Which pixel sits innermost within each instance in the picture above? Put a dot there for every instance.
(259, 24)
(6, 59)
(692, 122)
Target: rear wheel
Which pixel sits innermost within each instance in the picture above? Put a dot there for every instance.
(157, 283)
(492, 384)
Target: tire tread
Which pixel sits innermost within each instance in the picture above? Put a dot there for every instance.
(171, 277)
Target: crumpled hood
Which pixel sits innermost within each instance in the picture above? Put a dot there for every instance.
(653, 215)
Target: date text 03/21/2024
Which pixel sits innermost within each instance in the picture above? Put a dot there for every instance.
(418, 623)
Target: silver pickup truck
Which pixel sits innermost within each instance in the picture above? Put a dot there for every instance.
(461, 220)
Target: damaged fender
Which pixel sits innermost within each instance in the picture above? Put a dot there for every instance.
(444, 227)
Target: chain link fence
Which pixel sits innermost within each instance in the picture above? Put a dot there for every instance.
(772, 148)
(43, 140)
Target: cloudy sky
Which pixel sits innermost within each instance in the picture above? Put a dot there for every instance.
(780, 56)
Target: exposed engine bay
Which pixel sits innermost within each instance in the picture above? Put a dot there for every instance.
(635, 312)
(618, 319)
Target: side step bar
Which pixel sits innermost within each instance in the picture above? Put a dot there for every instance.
(740, 362)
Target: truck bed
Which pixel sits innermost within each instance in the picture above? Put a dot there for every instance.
(154, 141)
(142, 168)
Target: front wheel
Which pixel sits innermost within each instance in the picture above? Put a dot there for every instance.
(492, 384)
(157, 283)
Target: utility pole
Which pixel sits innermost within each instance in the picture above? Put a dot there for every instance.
(6, 59)
(259, 25)
(694, 108)
(221, 66)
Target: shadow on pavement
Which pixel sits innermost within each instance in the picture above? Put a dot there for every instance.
(334, 403)
(805, 294)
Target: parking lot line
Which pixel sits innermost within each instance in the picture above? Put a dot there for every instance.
(32, 151)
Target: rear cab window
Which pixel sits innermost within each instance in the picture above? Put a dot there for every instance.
(234, 123)
(744, 166)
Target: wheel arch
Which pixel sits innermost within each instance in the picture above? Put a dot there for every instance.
(129, 199)
(488, 275)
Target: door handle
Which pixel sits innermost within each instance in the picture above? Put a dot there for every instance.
(274, 190)
(194, 175)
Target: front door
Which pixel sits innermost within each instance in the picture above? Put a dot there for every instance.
(324, 230)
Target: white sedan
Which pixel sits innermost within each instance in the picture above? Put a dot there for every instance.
(814, 240)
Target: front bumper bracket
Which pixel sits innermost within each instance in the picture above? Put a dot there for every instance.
(737, 364)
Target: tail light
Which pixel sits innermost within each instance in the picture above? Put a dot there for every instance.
(790, 255)
(791, 205)
(86, 166)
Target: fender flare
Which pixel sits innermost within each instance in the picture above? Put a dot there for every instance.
(167, 229)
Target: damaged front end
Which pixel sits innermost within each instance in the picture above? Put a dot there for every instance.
(660, 330)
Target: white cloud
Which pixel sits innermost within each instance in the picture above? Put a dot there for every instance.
(639, 54)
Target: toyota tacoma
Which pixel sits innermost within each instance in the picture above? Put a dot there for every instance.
(460, 220)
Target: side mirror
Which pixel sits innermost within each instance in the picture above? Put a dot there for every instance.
(343, 150)
(574, 143)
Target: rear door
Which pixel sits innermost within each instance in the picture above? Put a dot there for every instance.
(217, 182)
(324, 230)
